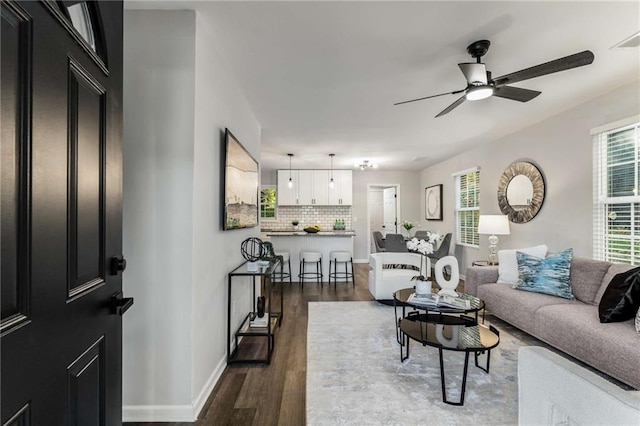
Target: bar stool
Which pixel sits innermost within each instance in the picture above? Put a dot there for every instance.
(345, 257)
(280, 274)
(307, 258)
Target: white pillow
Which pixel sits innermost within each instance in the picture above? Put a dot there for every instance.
(508, 265)
(638, 321)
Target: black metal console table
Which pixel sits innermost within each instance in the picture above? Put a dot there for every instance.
(245, 329)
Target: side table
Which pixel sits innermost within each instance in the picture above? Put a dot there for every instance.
(482, 263)
(245, 329)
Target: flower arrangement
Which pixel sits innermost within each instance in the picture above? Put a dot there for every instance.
(421, 246)
(408, 225)
(433, 237)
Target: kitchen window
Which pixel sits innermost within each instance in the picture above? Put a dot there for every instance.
(268, 202)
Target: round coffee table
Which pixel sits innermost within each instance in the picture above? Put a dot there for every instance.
(446, 328)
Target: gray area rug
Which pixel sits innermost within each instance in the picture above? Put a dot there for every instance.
(355, 377)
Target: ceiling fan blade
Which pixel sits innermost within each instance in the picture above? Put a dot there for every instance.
(475, 73)
(452, 106)
(562, 64)
(428, 97)
(515, 93)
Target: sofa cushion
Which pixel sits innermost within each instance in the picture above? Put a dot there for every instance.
(548, 276)
(508, 264)
(575, 329)
(614, 269)
(586, 276)
(516, 307)
(621, 299)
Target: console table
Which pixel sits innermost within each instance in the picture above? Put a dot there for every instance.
(245, 329)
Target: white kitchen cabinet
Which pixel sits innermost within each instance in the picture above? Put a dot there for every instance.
(310, 188)
(342, 192)
(313, 187)
(287, 196)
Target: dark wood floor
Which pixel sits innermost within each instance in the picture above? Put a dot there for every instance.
(275, 394)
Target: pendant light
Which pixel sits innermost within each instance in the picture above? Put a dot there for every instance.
(290, 183)
(331, 183)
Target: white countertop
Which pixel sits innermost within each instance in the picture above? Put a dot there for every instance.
(306, 234)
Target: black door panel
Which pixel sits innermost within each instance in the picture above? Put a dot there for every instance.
(61, 191)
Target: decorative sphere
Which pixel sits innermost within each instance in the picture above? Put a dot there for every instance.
(252, 249)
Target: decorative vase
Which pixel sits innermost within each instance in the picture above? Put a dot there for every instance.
(423, 287)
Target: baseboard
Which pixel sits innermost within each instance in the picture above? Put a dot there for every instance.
(175, 413)
(360, 260)
(157, 413)
(463, 277)
(198, 404)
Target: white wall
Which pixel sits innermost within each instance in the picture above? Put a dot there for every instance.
(409, 203)
(219, 104)
(174, 337)
(561, 146)
(159, 60)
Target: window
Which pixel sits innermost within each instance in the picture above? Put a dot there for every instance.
(81, 20)
(616, 200)
(467, 197)
(268, 202)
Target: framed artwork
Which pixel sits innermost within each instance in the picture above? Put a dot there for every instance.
(241, 177)
(433, 202)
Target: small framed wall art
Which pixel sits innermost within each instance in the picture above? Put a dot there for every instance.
(433, 202)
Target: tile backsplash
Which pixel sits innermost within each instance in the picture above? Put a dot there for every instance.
(325, 216)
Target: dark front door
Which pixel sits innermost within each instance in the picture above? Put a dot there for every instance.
(61, 334)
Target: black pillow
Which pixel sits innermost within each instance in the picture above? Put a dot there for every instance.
(621, 299)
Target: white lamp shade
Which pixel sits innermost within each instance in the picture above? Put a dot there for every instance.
(493, 224)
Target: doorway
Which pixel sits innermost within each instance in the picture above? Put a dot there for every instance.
(383, 205)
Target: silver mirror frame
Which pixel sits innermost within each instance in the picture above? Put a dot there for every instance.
(535, 176)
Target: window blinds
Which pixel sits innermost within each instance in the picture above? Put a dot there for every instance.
(467, 208)
(616, 200)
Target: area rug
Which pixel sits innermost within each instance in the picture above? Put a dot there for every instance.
(355, 377)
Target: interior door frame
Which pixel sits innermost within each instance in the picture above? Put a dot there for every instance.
(398, 209)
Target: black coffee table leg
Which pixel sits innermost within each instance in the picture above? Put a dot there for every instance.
(404, 343)
(464, 379)
(477, 354)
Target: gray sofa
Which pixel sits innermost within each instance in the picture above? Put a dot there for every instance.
(572, 326)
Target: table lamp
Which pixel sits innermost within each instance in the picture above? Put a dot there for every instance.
(493, 224)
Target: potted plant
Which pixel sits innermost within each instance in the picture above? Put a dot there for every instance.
(408, 226)
(295, 223)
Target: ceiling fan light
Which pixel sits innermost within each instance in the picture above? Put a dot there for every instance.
(479, 92)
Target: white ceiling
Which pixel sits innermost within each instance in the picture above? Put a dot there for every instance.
(322, 77)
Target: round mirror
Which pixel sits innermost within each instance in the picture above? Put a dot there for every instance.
(521, 191)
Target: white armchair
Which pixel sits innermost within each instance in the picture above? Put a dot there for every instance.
(383, 282)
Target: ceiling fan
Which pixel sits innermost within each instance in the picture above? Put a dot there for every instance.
(480, 85)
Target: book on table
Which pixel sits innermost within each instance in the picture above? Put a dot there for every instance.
(432, 300)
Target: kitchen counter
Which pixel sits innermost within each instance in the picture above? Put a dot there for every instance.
(308, 234)
(298, 241)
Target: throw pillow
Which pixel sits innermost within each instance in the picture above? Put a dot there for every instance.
(508, 264)
(548, 276)
(621, 299)
(638, 321)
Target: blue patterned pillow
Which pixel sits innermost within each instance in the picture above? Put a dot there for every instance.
(551, 275)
